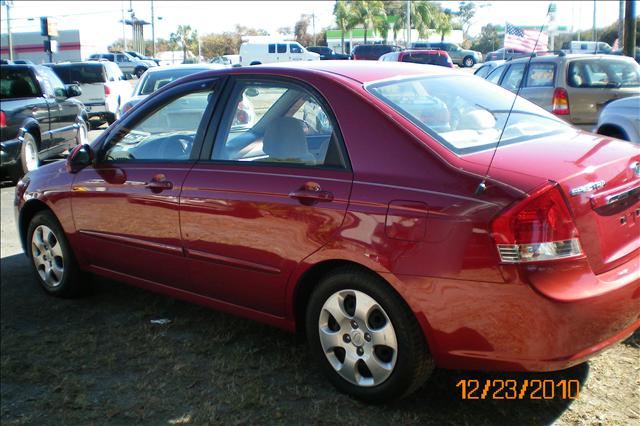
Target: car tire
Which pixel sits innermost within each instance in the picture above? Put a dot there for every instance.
(468, 62)
(255, 63)
(139, 71)
(356, 365)
(29, 159)
(52, 259)
(82, 137)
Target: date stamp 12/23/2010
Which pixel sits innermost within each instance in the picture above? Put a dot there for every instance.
(513, 389)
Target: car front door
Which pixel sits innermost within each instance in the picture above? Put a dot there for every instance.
(126, 65)
(125, 206)
(63, 112)
(266, 196)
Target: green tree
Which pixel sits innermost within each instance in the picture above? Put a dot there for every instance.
(369, 13)
(443, 24)
(488, 40)
(186, 38)
(345, 18)
(423, 16)
(300, 30)
(467, 10)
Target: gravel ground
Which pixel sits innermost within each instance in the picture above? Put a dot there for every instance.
(99, 360)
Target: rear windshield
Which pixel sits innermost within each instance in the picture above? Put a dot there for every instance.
(603, 73)
(81, 73)
(466, 114)
(157, 80)
(425, 58)
(17, 83)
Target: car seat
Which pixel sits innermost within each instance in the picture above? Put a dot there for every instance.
(284, 140)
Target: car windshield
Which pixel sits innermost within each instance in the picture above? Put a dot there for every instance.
(156, 80)
(17, 83)
(83, 74)
(466, 114)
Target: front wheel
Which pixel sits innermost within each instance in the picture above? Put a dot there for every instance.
(469, 62)
(366, 338)
(53, 263)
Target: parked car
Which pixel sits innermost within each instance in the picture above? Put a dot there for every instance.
(620, 52)
(425, 57)
(327, 53)
(39, 118)
(228, 60)
(586, 47)
(459, 56)
(484, 69)
(104, 90)
(621, 119)
(372, 52)
(129, 65)
(504, 54)
(391, 263)
(142, 57)
(256, 53)
(574, 87)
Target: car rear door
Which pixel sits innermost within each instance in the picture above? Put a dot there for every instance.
(266, 196)
(125, 206)
(592, 82)
(539, 84)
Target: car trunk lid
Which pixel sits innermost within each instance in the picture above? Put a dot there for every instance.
(600, 179)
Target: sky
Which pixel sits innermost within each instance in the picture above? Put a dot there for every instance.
(99, 21)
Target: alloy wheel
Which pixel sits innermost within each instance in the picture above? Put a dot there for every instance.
(47, 255)
(358, 338)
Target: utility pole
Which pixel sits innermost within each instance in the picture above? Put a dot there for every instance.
(153, 33)
(313, 20)
(595, 34)
(124, 39)
(8, 4)
(630, 28)
(620, 22)
(408, 23)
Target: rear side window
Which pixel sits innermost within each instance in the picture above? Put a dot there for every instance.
(541, 75)
(282, 48)
(596, 73)
(513, 77)
(83, 74)
(272, 48)
(423, 58)
(17, 83)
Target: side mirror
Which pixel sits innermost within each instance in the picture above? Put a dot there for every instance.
(80, 157)
(73, 90)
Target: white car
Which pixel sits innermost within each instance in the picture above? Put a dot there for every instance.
(256, 53)
(621, 119)
(104, 87)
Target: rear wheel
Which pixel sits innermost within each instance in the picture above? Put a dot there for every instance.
(365, 337)
(54, 265)
(29, 159)
(468, 62)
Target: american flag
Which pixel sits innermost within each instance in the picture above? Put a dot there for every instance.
(525, 40)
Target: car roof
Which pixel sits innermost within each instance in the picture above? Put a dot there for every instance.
(564, 57)
(359, 71)
(203, 67)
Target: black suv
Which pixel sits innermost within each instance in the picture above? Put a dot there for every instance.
(39, 118)
(372, 52)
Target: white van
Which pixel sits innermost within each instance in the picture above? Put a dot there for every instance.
(589, 47)
(256, 53)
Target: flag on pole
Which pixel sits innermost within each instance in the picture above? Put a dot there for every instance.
(616, 45)
(525, 40)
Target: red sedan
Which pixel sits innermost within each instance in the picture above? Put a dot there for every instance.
(349, 210)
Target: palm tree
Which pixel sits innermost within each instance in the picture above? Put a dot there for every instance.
(369, 13)
(423, 17)
(443, 25)
(344, 18)
(184, 37)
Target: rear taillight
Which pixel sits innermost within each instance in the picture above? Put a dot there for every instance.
(3, 120)
(107, 91)
(560, 102)
(538, 228)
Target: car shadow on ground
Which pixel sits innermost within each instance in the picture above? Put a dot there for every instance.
(99, 358)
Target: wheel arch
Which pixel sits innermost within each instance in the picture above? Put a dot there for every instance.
(32, 127)
(27, 212)
(609, 129)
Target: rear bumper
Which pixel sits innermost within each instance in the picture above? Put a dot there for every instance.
(9, 155)
(543, 321)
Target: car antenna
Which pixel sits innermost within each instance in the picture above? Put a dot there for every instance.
(482, 186)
